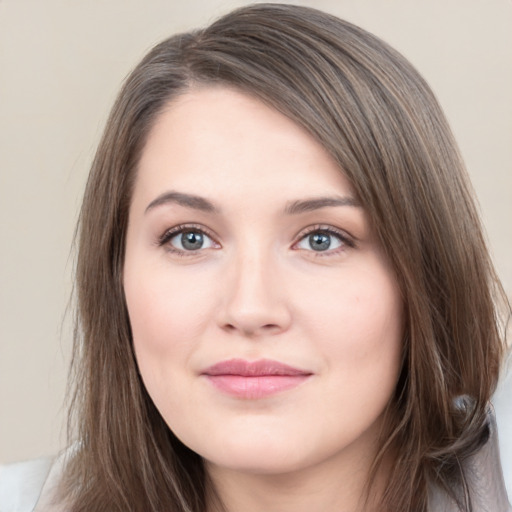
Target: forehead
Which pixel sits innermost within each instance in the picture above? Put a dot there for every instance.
(214, 140)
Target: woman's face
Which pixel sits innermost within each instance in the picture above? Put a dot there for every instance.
(267, 323)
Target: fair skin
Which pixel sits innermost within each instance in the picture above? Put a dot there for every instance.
(258, 269)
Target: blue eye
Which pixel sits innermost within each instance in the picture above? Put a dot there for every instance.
(323, 240)
(191, 241)
(186, 239)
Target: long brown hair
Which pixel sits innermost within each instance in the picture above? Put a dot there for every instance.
(380, 121)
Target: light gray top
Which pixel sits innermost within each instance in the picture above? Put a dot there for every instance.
(21, 484)
(30, 486)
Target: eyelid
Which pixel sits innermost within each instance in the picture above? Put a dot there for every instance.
(346, 239)
(170, 233)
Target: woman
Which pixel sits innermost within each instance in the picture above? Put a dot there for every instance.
(277, 307)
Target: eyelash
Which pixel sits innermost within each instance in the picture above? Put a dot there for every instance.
(177, 230)
(346, 240)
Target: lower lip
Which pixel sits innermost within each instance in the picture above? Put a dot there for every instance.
(254, 387)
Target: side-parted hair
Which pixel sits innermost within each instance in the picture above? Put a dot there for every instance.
(376, 116)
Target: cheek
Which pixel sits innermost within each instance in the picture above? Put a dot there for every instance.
(164, 308)
(166, 328)
(358, 322)
(168, 316)
(362, 346)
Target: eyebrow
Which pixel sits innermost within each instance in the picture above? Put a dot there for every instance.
(186, 200)
(293, 208)
(307, 205)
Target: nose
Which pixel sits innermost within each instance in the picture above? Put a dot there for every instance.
(254, 301)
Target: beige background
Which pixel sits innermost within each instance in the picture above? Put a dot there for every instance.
(61, 64)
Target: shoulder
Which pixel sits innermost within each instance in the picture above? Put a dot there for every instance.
(484, 478)
(31, 486)
(21, 484)
(485, 475)
(503, 404)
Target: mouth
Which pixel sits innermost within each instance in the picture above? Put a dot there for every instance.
(254, 379)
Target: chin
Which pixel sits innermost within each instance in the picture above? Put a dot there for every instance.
(263, 455)
(260, 462)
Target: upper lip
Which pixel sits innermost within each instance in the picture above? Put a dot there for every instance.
(261, 367)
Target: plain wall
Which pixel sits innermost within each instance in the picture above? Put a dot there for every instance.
(61, 65)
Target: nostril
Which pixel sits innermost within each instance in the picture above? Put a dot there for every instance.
(230, 327)
(267, 328)
(251, 331)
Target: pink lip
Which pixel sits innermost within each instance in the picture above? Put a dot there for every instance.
(253, 380)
